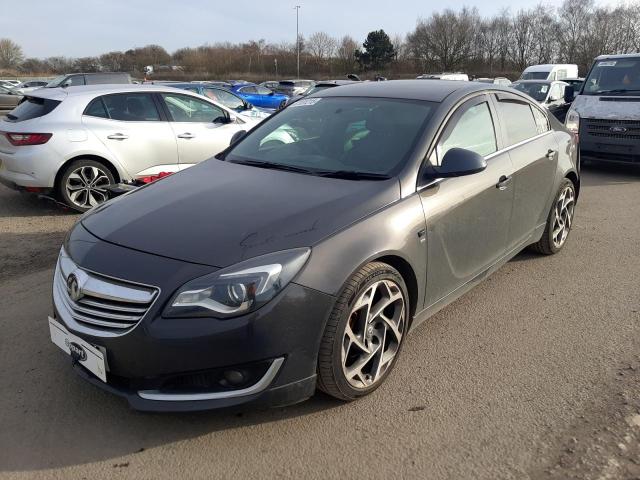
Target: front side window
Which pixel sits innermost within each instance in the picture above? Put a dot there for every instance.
(248, 89)
(556, 92)
(354, 134)
(473, 130)
(227, 99)
(131, 107)
(74, 81)
(518, 120)
(185, 108)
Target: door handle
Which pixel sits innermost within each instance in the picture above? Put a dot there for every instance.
(504, 182)
(117, 136)
(550, 154)
(186, 135)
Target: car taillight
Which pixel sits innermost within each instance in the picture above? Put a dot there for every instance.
(21, 139)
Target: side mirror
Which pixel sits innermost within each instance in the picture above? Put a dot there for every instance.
(569, 93)
(237, 137)
(248, 106)
(458, 162)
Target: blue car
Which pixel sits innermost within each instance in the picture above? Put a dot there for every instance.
(260, 96)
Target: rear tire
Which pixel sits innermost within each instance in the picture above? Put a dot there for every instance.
(559, 221)
(359, 347)
(83, 183)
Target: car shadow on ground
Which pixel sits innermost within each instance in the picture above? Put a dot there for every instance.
(23, 204)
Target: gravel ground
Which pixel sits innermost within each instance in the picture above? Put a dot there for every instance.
(534, 374)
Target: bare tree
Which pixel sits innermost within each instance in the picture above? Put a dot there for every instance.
(523, 29)
(10, 53)
(346, 53)
(321, 46)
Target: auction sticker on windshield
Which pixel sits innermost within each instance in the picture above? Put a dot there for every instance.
(305, 102)
(85, 354)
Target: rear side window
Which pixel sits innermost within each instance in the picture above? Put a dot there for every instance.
(518, 120)
(32, 107)
(131, 107)
(97, 109)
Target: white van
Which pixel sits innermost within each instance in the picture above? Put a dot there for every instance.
(551, 71)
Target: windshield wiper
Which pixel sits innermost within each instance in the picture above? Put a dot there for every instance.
(273, 166)
(352, 175)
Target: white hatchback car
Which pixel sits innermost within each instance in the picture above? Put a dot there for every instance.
(74, 142)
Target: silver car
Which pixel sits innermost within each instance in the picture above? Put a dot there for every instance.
(74, 142)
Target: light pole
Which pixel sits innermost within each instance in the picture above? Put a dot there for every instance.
(297, 7)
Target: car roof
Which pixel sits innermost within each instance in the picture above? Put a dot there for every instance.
(335, 82)
(619, 56)
(431, 91)
(103, 89)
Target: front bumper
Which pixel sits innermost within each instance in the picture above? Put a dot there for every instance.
(144, 360)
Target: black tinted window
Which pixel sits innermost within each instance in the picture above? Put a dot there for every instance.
(131, 107)
(97, 109)
(518, 120)
(32, 107)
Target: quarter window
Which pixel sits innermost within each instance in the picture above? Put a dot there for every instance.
(542, 122)
(97, 109)
(131, 107)
(184, 108)
(518, 120)
(473, 131)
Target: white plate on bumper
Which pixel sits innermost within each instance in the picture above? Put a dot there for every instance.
(84, 353)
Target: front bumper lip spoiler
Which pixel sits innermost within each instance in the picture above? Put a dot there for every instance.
(257, 387)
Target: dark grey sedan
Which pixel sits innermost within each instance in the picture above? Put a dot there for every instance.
(302, 256)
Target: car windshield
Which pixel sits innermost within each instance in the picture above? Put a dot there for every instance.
(537, 91)
(337, 134)
(619, 76)
(534, 76)
(56, 81)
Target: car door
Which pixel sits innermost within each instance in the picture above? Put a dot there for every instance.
(133, 130)
(269, 99)
(202, 129)
(534, 155)
(249, 93)
(467, 217)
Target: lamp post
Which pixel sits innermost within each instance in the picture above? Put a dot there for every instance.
(297, 7)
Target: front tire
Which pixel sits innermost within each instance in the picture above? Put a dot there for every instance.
(364, 334)
(83, 183)
(559, 221)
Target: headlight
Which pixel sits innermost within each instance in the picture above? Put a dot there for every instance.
(572, 122)
(238, 289)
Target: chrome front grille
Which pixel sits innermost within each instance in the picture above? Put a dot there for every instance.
(98, 304)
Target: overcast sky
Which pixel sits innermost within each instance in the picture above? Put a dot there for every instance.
(76, 28)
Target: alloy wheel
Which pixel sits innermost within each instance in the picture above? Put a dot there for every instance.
(373, 333)
(86, 186)
(563, 216)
